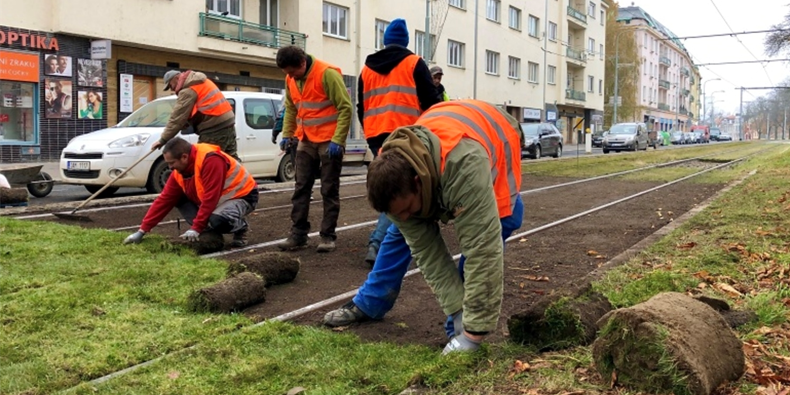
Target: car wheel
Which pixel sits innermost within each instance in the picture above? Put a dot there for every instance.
(606, 151)
(287, 170)
(158, 176)
(559, 152)
(538, 152)
(43, 188)
(105, 193)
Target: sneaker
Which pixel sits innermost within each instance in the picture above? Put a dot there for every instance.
(239, 238)
(292, 243)
(326, 245)
(346, 315)
(370, 258)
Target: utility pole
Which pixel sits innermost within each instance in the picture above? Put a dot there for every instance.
(677, 104)
(740, 118)
(428, 54)
(784, 125)
(474, 74)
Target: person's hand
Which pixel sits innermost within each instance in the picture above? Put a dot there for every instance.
(284, 143)
(461, 343)
(155, 146)
(191, 235)
(134, 238)
(274, 139)
(335, 150)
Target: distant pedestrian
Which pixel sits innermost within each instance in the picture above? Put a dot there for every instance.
(437, 74)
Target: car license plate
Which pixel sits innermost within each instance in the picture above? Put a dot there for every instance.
(78, 165)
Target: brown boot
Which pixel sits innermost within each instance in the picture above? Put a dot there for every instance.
(326, 245)
(292, 242)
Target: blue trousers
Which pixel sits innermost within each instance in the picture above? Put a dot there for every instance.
(377, 237)
(379, 292)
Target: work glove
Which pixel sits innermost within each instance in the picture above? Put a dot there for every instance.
(335, 150)
(134, 238)
(454, 325)
(191, 235)
(461, 343)
(274, 139)
(288, 142)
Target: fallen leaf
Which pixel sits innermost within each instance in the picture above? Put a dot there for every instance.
(523, 240)
(295, 391)
(687, 246)
(518, 368)
(535, 278)
(340, 328)
(600, 257)
(173, 375)
(614, 379)
(702, 285)
(592, 252)
(728, 289)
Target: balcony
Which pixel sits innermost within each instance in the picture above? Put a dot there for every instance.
(683, 111)
(577, 15)
(663, 106)
(691, 80)
(232, 29)
(691, 99)
(575, 95)
(685, 71)
(691, 114)
(663, 84)
(664, 60)
(685, 92)
(575, 54)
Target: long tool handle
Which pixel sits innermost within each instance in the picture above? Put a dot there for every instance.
(111, 182)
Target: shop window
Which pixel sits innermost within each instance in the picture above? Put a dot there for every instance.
(17, 112)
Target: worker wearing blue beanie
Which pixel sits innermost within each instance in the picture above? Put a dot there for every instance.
(397, 33)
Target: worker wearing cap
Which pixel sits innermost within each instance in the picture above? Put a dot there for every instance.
(201, 105)
(394, 88)
(437, 74)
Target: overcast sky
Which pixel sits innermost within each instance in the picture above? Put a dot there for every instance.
(699, 17)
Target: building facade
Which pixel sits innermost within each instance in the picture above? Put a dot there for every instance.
(668, 80)
(113, 56)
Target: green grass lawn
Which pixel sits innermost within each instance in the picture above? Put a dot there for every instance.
(76, 305)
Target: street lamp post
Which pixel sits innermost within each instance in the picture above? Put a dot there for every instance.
(712, 105)
(616, 69)
(704, 103)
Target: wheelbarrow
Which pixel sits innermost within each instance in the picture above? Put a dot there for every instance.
(38, 182)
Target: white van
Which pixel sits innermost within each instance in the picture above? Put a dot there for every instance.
(93, 159)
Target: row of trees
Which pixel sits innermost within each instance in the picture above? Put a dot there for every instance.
(625, 54)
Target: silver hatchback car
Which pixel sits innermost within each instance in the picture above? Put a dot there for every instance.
(626, 137)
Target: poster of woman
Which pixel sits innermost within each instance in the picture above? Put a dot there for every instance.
(57, 97)
(89, 72)
(90, 105)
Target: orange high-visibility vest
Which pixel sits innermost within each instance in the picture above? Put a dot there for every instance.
(390, 101)
(451, 121)
(238, 182)
(210, 100)
(316, 115)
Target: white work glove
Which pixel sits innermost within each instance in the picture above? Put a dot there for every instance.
(461, 343)
(191, 235)
(134, 238)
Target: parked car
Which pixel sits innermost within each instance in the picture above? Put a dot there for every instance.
(677, 138)
(626, 137)
(597, 138)
(714, 134)
(725, 137)
(696, 137)
(704, 131)
(541, 139)
(93, 159)
(688, 138)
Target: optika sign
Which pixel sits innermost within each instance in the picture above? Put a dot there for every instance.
(16, 38)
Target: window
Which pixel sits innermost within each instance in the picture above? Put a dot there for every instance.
(552, 75)
(515, 18)
(335, 21)
(381, 26)
(591, 10)
(259, 113)
(600, 46)
(600, 87)
(534, 69)
(590, 84)
(232, 7)
(644, 93)
(645, 40)
(492, 10)
(457, 4)
(591, 46)
(552, 31)
(533, 26)
(18, 108)
(492, 62)
(455, 53)
(269, 11)
(419, 45)
(514, 65)
(602, 17)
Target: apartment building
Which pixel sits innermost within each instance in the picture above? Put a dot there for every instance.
(668, 80)
(118, 51)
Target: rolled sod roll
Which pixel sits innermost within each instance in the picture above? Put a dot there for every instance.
(231, 294)
(13, 195)
(274, 267)
(207, 243)
(671, 343)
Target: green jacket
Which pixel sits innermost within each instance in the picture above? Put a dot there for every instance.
(335, 88)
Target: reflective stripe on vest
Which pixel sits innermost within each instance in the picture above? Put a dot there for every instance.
(390, 101)
(316, 115)
(210, 100)
(482, 122)
(238, 181)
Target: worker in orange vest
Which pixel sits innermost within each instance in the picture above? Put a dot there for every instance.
(461, 161)
(394, 88)
(200, 104)
(211, 190)
(317, 119)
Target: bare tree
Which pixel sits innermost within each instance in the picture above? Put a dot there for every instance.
(778, 41)
(628, 75)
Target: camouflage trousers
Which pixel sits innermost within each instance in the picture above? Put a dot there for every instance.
(225, 139)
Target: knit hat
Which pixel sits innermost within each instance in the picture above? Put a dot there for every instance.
(436, 70)
(397, 33)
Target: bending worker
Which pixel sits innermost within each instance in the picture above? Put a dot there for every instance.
(201, 105)
(394, 88)
(443, 168)
(211, 190)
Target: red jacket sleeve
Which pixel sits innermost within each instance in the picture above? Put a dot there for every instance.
(213, 176)
(165, 202)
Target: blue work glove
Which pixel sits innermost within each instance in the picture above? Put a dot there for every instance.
(461, 343)
(191, 235)
(288, 142)
(454, 325)
(335, 150)
(134, 238)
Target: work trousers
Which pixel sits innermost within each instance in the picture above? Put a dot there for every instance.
(228, 217)
(312, 161)
(225, 139)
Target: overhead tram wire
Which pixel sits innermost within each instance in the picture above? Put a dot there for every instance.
(739, 40)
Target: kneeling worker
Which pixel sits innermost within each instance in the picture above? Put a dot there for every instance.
(212, 191)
